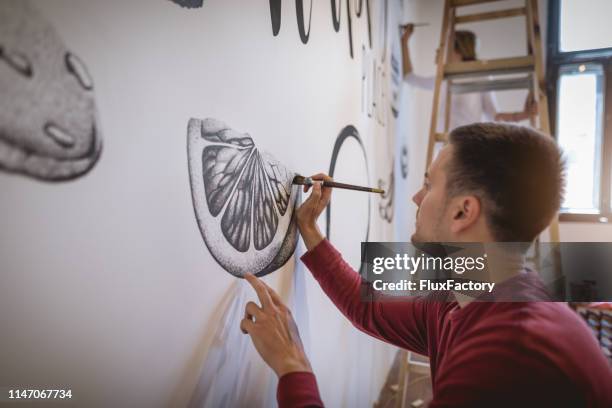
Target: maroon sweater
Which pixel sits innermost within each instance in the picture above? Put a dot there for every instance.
(484, 354)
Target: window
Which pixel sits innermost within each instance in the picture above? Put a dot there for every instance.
(579, 82)
(585, 25)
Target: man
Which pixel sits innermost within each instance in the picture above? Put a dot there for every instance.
(491, 183)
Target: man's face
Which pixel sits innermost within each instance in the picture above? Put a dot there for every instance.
(432, 221)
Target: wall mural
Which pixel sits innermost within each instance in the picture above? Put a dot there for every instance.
(404, 161)
(299, 11)
(348, 132)
(275, 15)
(189, 3)
(385, 207)
(58, 138)
(243, 199)
(336, 9)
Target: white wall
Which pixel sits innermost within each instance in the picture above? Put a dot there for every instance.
(107, 287)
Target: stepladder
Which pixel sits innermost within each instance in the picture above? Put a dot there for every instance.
(487, 75)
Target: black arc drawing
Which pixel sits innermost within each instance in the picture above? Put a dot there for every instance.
(348, 132)
(244, 199)
(189, 3)
(48, 128)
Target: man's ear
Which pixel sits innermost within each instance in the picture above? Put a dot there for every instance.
(466, 211)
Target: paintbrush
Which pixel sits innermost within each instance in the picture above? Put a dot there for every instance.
(413, 24)
(308, 181)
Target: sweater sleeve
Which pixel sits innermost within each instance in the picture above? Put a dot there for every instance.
(401, 323)
(297, 390)
(427, 83)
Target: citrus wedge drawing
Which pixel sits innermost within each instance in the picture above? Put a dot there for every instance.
(243, 199)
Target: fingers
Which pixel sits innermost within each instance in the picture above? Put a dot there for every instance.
(316, 192)
(326, 195)
(407, 30)
(276, 299)
(252, 310)
(323, 194)
(246, 326)
(260, 289)
(320, 176)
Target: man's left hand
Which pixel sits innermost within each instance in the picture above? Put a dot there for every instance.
(273, 331)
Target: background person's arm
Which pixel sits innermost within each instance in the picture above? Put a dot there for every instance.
(529, 109)
(406, 61)
(409, 76)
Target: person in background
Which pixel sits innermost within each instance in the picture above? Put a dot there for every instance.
(469, 107)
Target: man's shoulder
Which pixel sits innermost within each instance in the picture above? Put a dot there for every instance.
(532, 322)
(543, 337)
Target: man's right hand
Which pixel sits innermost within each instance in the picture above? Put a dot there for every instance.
(308, 213)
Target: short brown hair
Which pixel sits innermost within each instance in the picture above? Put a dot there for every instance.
(516, 171)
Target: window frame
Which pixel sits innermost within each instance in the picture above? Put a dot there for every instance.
(555, 61)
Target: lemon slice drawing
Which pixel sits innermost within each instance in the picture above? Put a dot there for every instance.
(243, 198)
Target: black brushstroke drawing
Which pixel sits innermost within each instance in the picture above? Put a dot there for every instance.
(359, 11)
(404, 161)
(396, 80)
(48, 127)
(299, 10)
(350, 26)
(189, 3)
(243, 199)
(358, 7)
(275, 16)
(336, 9)
(385, 207)
(336, 13)
(348, 132)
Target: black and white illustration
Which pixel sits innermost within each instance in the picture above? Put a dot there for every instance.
(48, 127)
(189, 3)
(350, 223)
(386, 205)
(404, 161)
(244, 199)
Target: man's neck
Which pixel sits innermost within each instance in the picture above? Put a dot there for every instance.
(502, 264)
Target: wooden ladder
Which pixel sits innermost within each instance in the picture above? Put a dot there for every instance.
(474, 76)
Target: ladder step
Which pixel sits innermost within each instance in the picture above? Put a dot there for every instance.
(441, 137)
(460, 3)
(491, 85)
(489, 67)
(491, 15)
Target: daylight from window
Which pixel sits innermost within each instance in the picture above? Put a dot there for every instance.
(579, 138)
(585, 28)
